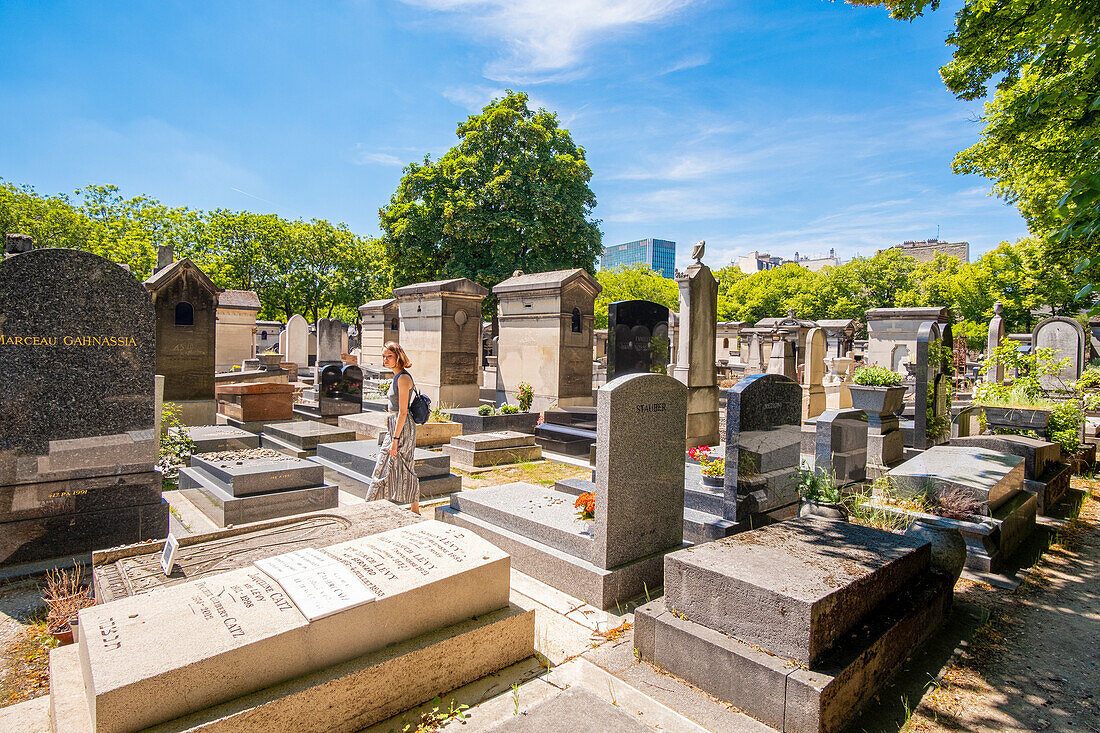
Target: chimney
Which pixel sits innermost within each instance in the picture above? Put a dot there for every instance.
(15, 244)
(165, 256)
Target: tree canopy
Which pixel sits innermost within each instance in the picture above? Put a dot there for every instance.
(1041, 141)
(314, 268)
(513, 194)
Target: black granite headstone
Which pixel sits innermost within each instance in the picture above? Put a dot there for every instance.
(763, 444)
(637, 338)
(77, 354)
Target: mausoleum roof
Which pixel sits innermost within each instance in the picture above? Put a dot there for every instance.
(457, 285)
(540, 280)
(242, 299)
(159, 279)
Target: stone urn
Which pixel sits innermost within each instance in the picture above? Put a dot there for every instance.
(948, 545)
(877, 401)
(823, 510)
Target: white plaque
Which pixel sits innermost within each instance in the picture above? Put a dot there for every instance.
(324, 591)
(289, 563)
(168, 555)
(316, 582)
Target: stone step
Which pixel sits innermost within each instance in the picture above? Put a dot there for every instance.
(306, 435)
(361, 455)
(359, 484)
(574, 486)
(258, 475)
(542, 514)
(702, 527)
(703, 500)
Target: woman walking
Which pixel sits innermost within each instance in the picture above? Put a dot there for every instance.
(395, 471)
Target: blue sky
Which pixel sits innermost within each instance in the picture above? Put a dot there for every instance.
(782, 126)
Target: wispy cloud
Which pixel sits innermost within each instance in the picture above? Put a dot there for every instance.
(362, 156)
(693, 61)
(546, 41)
(472, 97)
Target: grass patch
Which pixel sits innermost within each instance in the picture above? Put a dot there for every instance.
(26, 663)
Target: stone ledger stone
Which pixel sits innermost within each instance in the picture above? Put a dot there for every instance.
(241, 628)
(213, 438)
(491, 449)
(352, 464)
(988, 476)
(301, 437)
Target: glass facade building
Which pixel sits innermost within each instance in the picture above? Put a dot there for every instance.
(659, 254)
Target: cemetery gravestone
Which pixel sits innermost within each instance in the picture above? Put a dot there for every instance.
(782, 359)
(318, 617)
(297, 341)
(1067, 337)
(637, 338)
(639, 500)
(813, 388)
(329, 345)
(841, 445)
(763, 440)
(993, 340)
(77, 441)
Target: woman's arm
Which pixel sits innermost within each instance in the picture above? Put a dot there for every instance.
(403, 390)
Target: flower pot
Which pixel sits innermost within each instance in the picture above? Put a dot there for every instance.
(64, 637)
(879, 401)
(270, 361)
(948, 545)
(713, 482)
(823, 510)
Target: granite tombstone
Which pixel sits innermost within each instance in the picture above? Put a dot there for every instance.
(763, 440)
(77, 441)
(932, 411)
(1067, 337)
(637, 338)
(297, 341)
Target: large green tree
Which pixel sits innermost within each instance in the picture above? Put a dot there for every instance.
(634, 282)
(1041, 140)
(512, 195)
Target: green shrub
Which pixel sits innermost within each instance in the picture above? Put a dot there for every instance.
(486, 410)
(176, 445)
(524, 396)
(876, 376)
(508, 409)
(818, 486)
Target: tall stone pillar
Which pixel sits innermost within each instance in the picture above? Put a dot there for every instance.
(695, 353)
(813, 390)
(992, 341)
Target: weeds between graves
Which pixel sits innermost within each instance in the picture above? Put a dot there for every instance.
(436, 718)
(176, 445)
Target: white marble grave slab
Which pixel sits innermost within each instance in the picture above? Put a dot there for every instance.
(154, 657)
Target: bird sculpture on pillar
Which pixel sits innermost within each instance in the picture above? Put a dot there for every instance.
(697, 251)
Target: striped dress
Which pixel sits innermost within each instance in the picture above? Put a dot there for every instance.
(395, 476)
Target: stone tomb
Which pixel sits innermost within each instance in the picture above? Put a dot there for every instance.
(797, 624)
(639, 498)
(545, 337)
(186, 302)
(311, 642)
(473, 423)
(250, 405)
(492, 449)
(440, 326)
(300, 438)
(212, 438)
(695, 353)
(77, 434)
(1005, 515)
(253, 489)
(130, 570)
(763, 440)
(353, 464)
(1045, 474)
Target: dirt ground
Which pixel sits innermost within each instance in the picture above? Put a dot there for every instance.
(1008, 660)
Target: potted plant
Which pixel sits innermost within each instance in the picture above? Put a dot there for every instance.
(820, 496)
(270, 360)
(65, 596)
(714, 469)
(877, 391)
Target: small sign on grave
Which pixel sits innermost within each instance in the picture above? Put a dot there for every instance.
(168, 556)
(317, 583)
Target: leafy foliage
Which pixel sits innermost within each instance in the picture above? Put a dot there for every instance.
(509, 409)
(876, 376)
(524, 395)
(818, 486)
(634, 282)
(513, 194)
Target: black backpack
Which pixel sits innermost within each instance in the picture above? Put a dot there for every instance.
(420, 407)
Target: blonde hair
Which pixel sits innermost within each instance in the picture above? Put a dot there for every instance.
(394, 348)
